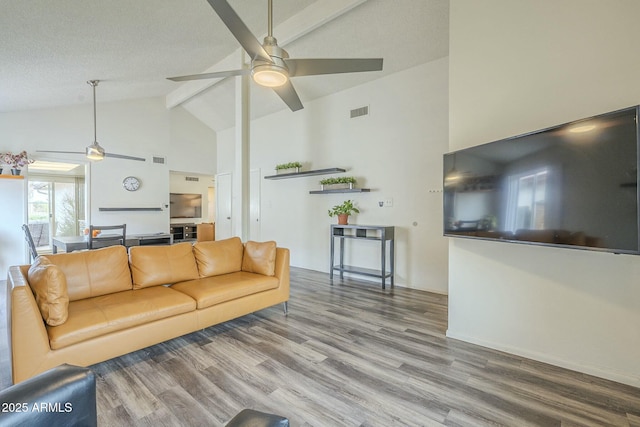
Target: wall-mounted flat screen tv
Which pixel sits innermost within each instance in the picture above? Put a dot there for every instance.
(185, 205)
(573, 185)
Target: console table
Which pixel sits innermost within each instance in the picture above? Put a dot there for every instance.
(383, 234)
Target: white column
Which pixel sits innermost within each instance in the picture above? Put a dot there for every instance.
(12, 216)
(241, 180)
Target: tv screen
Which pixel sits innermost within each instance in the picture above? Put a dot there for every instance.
(182, 205)
(573, 185)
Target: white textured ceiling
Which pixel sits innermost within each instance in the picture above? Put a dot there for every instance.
(49, 49)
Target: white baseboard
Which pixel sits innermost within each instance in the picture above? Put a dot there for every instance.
(617, 376)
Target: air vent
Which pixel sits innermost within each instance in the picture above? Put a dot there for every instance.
(359, 112)
(191, 178)
(159, 160)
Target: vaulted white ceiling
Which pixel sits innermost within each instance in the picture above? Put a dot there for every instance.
(49, 49)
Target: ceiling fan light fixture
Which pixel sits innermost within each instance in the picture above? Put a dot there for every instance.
(270, 75)
(95, 152)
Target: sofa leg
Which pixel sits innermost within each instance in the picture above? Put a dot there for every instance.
(285, 306)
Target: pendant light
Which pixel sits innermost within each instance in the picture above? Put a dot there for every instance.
(94, 151)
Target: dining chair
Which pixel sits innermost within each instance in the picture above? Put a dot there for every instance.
(110, 238)
(30, 244)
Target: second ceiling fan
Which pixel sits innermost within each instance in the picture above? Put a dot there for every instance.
(271, 65)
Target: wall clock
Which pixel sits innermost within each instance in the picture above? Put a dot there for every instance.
(131, 183)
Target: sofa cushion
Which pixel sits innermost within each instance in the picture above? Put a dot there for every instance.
(94, 273)
(49, 285)
(219, 256)
(260, 258)
(160, 265)
(214, 290)
(93, 317)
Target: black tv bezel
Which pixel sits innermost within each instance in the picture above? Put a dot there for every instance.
(557, 245)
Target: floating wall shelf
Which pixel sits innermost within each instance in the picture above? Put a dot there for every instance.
(341, 190)
(305, 173)
(129, 209)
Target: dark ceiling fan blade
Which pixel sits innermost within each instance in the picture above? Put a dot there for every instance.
(239, 30)
(125, 157)
(117, 156)
(214, 75)
(312, 67)
(289, 96)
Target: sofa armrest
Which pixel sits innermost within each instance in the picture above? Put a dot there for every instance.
(282, 268)
(62, 396)
(28, 334)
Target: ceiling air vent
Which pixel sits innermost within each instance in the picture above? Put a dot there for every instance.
(191, 178)
(159, 160)
(359, 112)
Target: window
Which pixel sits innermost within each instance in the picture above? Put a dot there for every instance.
(56, 205)
(527, 200)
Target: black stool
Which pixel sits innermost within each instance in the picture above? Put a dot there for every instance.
(251, 418)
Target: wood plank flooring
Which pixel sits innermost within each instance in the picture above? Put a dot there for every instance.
(350, 355)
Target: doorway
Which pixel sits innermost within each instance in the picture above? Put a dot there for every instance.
(56, 200)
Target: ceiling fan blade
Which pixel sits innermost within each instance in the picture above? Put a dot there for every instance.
(214, 75)
(312, 67)
(116, 156)
(289, 96)
(124, 156)
(60, 152)
(239, 30)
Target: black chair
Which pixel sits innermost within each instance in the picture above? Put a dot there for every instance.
(30, 244)
(110, 238)
(253, 418)
(62, 396)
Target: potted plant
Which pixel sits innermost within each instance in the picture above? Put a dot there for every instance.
(16, 161)
(347, 180)
(288, 167)
(343, 211)
(3, 161)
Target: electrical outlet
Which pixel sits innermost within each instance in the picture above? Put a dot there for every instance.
(388, 203)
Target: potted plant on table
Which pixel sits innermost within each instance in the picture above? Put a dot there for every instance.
(343, 211)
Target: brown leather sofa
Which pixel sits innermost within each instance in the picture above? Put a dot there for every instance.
(85, 307)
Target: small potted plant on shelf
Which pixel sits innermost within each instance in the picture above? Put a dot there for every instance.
(288, 167)
(346, 181)
(16, 161)
(3, 162)
(343, 211)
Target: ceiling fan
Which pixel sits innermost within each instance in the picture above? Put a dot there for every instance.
(94, 151)
(271, 65)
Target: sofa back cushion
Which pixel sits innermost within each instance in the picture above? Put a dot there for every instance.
(94, 273)
(218, 256)
(161, 265)
(49, 285)
(260, 258)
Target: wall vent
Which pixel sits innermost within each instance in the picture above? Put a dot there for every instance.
(191, 178)
(159, 160)
(359, 112)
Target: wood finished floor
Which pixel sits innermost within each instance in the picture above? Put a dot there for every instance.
(349, 355)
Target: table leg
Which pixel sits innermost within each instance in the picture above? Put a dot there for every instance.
(384, 261)
(331, 258)
(341, 258)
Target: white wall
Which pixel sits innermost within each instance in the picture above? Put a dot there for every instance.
(12, 244)
(396, 151)
(141, 127)
(516, 67)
